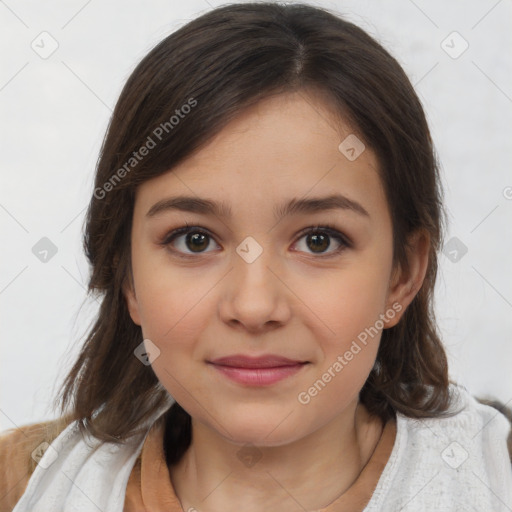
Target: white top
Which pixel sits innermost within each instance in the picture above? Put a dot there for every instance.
(443, 465)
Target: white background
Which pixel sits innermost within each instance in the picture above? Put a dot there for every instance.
(55, 111)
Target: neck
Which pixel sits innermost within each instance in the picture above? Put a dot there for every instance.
(217, 474)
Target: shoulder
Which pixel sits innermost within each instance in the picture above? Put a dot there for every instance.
(475, 430)
(468, 413)
(505, 411)
(481, 430)
(20, 449)
(453, 462)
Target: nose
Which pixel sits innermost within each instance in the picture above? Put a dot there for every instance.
(255, 297)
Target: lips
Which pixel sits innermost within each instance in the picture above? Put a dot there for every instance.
(270, 361)
(257, 371)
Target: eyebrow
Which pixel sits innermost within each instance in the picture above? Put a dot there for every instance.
(292, 207)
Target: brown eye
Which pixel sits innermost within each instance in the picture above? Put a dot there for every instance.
(319, 243)
(318, 240)
(197, 241)
(188, 240)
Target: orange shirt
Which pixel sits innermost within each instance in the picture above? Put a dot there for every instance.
(149, 487)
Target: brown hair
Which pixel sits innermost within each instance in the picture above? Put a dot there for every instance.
(222, 62)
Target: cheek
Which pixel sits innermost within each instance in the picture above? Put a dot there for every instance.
(346, 302)
(170, 299)
(349, 311)
(344, 315)
(175, 306)
(173, 318)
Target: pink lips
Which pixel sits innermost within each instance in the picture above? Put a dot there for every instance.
(257, 371)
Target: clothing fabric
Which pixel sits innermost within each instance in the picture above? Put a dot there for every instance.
(443, 464)
(150, 487)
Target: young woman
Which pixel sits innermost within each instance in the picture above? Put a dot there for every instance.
(264, 231)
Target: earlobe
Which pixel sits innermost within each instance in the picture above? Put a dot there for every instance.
(406, 281)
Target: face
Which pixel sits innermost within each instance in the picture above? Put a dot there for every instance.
(255, 278)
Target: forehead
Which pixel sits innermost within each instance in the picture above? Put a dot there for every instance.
(286, 146)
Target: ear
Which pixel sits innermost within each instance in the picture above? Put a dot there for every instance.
(406, 282)
(131, 299)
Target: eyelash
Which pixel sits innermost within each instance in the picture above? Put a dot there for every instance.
(324, 229)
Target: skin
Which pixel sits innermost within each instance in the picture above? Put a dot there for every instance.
(291, 301)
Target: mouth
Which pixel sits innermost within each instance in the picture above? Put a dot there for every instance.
(257, 371)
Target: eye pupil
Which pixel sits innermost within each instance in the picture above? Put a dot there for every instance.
(317, 243)
(197, 237)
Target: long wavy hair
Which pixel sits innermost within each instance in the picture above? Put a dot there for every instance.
(218, 64)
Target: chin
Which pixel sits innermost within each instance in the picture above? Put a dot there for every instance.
(260, 429)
